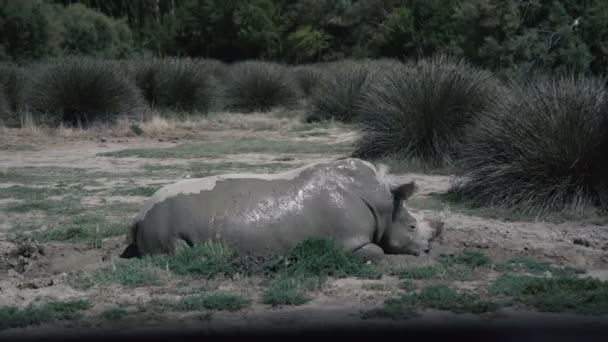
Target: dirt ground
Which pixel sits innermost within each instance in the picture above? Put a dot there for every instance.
(39, 271)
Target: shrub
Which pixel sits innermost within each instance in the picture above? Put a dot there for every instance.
(259, 86)
(12, 81)
(308, 78)
(420, 110)
(178, 84)
(88, 32)
(338, 91)
(541, 149)
(81, 91)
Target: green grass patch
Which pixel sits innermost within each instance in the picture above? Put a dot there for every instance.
(290, 290)
(555, 294)
(216, 301)
(214, 150)
(307, 267)
(206, 260)
(460, 266)
(11, 317)
(130, 273)
(536, 267)
(83, 227)
(114, 314)
(442, 297)
(399, 308)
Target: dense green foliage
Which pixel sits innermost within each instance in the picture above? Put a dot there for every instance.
(420, 110)
(541, 148)
(81, 92)
(498, 35)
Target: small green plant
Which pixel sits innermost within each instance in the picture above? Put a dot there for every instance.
(114, 314)
(61, 94)
(259, 86)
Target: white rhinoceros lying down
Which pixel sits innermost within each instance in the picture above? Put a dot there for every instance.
(346, 200)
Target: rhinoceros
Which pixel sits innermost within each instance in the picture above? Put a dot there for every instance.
(348, 201)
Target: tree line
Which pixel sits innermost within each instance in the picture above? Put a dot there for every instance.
(495, 34)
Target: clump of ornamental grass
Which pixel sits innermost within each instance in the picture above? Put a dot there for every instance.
(12, 81)
(178, 84)
(81, 92)
(339, 90)
(256, 86)
(308, 78)
(420, 111)
(541, 149)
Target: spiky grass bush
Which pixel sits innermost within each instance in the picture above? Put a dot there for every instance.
(543, 148)
(340, 89)
(252, 86)
(420, 110)
(81, 92)
(12, 81)
(308, 78)
(178, 84)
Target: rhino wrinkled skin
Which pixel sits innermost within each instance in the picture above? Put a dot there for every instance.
(346, 200)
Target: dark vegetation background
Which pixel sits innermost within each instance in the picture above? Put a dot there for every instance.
(505, 94)
(496, 34)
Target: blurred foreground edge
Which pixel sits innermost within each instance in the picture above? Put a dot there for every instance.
(529, 331)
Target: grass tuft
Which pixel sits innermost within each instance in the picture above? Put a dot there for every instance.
(555, 294)
(215, 301)
(255, 86)
(420, 111)
(11, 317)
(61, 94)
(540, 150)
(178, 84)
(338, 92)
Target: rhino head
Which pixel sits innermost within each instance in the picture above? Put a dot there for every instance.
(404, 233)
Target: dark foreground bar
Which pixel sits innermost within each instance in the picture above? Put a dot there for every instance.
(530, 331)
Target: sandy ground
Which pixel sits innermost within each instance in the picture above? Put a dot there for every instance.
(40, 272)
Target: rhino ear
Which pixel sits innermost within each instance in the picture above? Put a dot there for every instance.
(404, 191)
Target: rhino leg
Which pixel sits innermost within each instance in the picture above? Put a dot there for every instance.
(370, 252)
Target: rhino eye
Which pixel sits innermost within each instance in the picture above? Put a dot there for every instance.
(412, 226)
